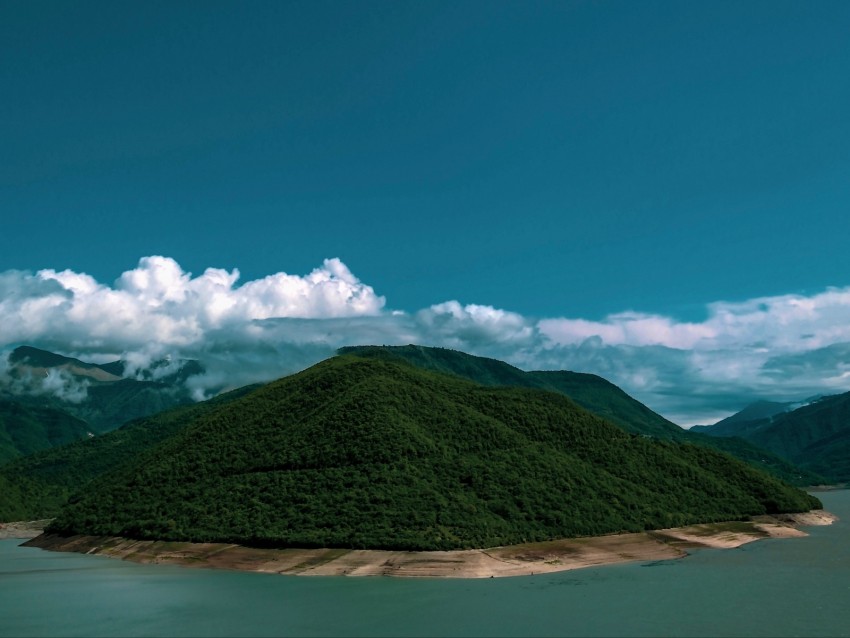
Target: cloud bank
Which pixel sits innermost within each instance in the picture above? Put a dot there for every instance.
(785, 347)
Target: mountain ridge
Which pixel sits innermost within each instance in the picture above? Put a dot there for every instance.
(592, 392)
(816, 436)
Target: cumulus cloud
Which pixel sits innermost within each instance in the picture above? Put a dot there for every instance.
(781, 347)
(475, 328)
(784, 348)
(159, 303)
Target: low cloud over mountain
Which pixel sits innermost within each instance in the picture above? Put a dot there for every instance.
(781, 347)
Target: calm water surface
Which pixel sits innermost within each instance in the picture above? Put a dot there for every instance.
(795, 587)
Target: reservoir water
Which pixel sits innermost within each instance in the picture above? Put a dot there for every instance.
(791, 587)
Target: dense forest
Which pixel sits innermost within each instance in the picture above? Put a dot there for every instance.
(25, 429)
(357, 452)
(815, 436)
(593, 393)
(44, 481)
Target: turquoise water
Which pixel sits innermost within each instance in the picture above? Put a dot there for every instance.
(796, 587)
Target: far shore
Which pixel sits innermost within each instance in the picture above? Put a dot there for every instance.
(514, 560)
(827, 488)
(23, 529)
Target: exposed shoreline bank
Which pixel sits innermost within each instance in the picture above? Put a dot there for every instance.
(514, 560)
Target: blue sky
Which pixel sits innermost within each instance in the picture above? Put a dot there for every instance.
(550, 161)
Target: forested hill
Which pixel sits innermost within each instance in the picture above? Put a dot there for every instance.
(752, 415)
(590, 391)
(25, 429)
(358, 452)
(43, 481)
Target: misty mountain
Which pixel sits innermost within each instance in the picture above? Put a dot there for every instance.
(98, 394)
(27, 360)
(815, 436)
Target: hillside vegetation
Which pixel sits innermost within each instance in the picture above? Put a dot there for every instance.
(369, 453)
(815, 436)
(25, 429)
(12, 501)
(593, 393)
(740, 422)
(44, 481)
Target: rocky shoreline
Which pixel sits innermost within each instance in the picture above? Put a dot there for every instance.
(514, 560)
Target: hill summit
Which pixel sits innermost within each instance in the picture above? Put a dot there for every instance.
(370, 453)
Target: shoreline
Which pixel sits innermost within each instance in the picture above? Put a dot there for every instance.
(514, 560)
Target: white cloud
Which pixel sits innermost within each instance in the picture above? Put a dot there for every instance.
(159, 303)
(628, 328)
(475, 327)
(64, 385)
(792, 322)
(772, 347)
(785, 347)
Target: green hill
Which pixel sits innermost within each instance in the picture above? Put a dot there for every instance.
(49, 477)
(816, 436)
(829, 456)
(791, 433)
(592, 393)
(747, 420)
(358, 452)
(25, 429)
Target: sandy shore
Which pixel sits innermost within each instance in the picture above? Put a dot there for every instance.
(514, 560)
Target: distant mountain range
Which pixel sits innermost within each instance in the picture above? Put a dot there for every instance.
(815, 436)
(27, 361)
(752, 415)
